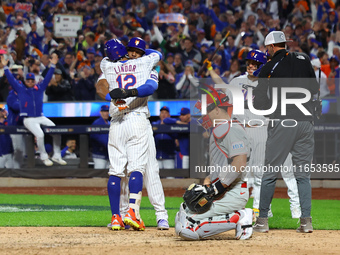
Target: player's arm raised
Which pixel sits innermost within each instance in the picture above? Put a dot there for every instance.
(215, 77)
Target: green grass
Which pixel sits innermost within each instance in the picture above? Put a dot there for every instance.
(70, 211)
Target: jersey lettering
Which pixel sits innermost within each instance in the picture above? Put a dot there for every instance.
(128, 81)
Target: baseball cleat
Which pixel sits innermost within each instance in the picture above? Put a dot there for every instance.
(59, 161)
(256, 213)
(116, 223)
(109, 226)
(244, 228)
(261, 225)
(305, 225)
(163, 224)
(131, 220)
(47, 162)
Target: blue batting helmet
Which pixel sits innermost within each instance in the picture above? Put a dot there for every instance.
(114, 49)
(136, 42)
(257, 56)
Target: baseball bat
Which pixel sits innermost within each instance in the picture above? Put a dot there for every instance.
(200, 71)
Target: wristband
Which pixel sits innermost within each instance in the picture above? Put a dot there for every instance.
(132, 92)
(108, 97)
(218, 187)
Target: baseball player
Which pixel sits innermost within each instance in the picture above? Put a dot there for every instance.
(131, 142)
(257, 133)
(224, 194)
(14, 119)
(6, 148)
(31, 102)
(99, 141)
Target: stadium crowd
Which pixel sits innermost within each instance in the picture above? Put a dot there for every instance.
(27, 39)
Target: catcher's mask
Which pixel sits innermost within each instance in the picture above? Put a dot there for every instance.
(196, 200)
(222, 100)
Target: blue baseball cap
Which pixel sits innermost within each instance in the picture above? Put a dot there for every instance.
(165, 108)
(99, 54)
(30, 76)
(334, 57)
(184, 111)
(86, 18)
(104, 108)
(91, 50)
(247, 35)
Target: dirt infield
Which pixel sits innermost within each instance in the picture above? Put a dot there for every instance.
(98, 241)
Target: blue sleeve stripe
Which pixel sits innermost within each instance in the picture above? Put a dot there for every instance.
(148, 88)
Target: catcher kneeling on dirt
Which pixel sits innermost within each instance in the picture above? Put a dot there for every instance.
(218, 205)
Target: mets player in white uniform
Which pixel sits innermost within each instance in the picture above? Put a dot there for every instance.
(227, 190)
(257, 133)
(130, 82)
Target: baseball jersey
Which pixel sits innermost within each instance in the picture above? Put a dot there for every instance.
(130, 74)
(225, 143)
(244, 82)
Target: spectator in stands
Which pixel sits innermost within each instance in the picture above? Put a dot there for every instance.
(188, 83)
(190, 53)
(30, 98)
(14, 119)
(166, 85)
(178, 64)
(6, 148)
(234, 70)
(69, 150)
(183, 138)
(59, 89)
(165, 143)
(84, 89)
(320, 77)
(334, 75)
(68, 60)
(99, 141)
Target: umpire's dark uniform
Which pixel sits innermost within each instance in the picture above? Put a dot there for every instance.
(287, 70)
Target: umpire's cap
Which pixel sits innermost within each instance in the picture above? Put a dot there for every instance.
(275, 37)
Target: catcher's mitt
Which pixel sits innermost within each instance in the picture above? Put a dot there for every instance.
(197, 198)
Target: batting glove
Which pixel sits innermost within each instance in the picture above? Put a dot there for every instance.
(209, 67)
(119, 93)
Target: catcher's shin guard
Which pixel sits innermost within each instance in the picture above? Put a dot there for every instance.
(180, 220)
(213, 226)
(244, 228)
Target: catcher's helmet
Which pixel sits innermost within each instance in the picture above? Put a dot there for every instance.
(220, 101)
(257, 56)
(136, 42)
(197, 200)
(114, 49)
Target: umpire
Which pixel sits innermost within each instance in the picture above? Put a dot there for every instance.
(288, 133)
